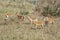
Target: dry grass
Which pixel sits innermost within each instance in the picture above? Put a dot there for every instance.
(24, 30)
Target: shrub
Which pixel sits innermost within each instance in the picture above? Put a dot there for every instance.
(53, 11)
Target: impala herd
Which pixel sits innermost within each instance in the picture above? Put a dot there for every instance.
(47, 20)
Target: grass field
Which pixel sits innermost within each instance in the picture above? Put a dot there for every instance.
(24, 30)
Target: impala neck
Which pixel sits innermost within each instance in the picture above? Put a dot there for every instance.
(30, 18)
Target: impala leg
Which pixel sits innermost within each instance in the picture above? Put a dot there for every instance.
(43, 25)
(31, 22)
(36, 26)
(52, 22)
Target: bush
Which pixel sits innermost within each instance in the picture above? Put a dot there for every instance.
(26, 6)
(53, 11)
(25, 13)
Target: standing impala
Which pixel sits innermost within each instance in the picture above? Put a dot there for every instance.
(39, 23)
(36, 22)
(49, 20)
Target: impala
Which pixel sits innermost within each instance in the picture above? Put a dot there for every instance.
(39, 23)
(49, 20)
(8, 17)
(36, 22)
(20, 17)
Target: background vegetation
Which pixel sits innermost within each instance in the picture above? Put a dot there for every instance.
(51, 7)
(24, 30)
